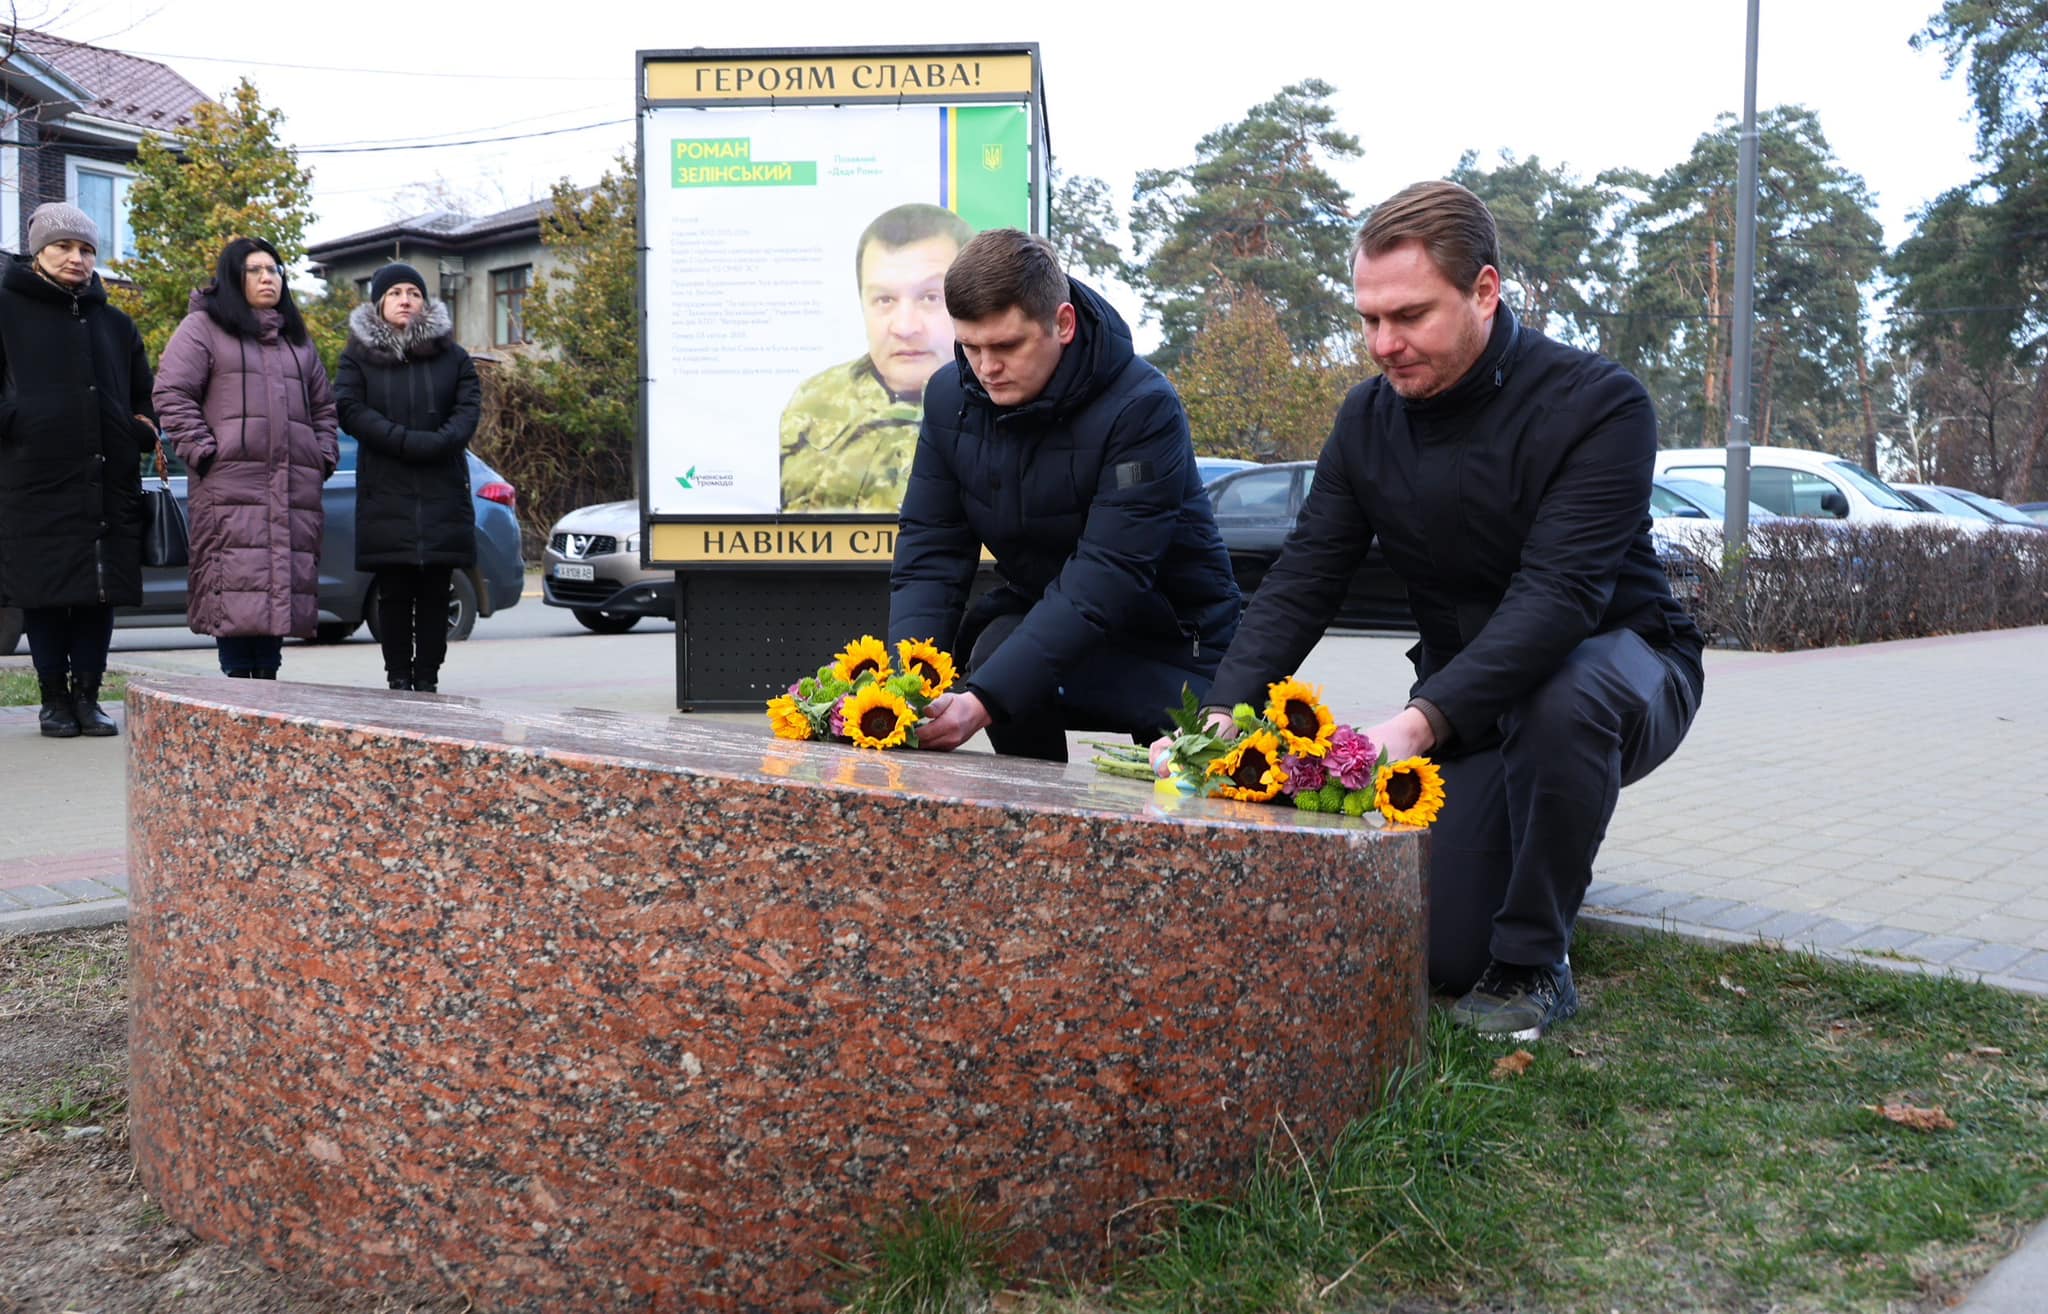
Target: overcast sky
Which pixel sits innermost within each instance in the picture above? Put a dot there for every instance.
(1592, 83)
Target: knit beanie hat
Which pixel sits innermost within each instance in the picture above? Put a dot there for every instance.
(53, 221)
(391, 276)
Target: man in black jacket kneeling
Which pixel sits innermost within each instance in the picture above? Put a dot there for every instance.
(1507, 478)
(1051, 443)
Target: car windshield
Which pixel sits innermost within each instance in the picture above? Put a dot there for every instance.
(1712, 500)
(1870, 486)
(1943, 502)
(1994, 508)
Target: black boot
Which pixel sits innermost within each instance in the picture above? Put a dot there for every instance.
(85, 697)
(399, 682)
(428, 683)
(263, 675)
(58, 718)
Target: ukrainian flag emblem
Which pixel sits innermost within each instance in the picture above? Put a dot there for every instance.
(992, 156)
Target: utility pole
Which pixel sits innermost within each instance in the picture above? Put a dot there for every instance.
(1735, 529)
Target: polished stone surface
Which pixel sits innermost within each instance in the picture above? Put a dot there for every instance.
(584, 1011)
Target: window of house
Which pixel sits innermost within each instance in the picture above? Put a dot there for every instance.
(101, 190)
(508, 301)
(363, 288)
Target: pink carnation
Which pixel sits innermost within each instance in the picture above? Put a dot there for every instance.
(1304, 773)
(794, 687)
(839, 718)
(1351, 758)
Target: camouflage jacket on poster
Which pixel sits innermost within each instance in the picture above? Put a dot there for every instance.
(846, 443)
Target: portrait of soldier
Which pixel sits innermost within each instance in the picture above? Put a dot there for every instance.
(848, 433)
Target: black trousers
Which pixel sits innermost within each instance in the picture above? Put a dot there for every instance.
(1108, 689)
(250, 654)
(412, 620)
(67, 641)
(1511, 854)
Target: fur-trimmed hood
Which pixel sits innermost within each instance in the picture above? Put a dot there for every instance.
(429, 335)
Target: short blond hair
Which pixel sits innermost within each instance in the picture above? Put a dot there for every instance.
(1453, 225)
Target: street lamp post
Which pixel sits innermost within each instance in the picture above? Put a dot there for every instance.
(1735, 530)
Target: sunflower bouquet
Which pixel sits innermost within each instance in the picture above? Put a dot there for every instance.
(1291, 751)
(859, 698)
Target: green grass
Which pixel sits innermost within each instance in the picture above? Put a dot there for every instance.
(18, 688)
(941, 1259)
(1700, 1139)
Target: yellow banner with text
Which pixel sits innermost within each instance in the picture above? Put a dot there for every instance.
(728, 543)
(839, 78)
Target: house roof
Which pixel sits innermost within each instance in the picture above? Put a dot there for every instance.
(444, 229)
(126, 89)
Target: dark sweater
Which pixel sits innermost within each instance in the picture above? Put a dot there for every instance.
(1515, 508)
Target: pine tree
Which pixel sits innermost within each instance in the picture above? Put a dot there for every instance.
(1256, 209)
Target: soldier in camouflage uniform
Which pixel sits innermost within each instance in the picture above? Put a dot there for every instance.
(848, 434)
(847, 442)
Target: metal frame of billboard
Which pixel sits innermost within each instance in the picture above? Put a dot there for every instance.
(783, 528)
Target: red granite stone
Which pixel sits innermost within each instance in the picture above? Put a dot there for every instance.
(581, 1011)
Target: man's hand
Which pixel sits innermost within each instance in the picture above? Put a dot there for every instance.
(1162, 765)
(1406, 735)
(950, 720)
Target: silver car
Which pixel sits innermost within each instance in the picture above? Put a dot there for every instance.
(592, 566)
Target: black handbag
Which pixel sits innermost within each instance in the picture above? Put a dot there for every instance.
(165, 540)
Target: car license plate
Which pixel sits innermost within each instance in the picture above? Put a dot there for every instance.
(572, 570)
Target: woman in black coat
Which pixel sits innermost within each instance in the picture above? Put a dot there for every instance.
(410, 396)
(75, 417)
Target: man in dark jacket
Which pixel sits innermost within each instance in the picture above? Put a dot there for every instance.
(1050, 443)
(1507, 478)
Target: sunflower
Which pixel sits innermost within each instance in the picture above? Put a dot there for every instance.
(1297, 710)
(928, 662)
(1410, 791)
(876, 718)
(788, 719)
(1251, 771)
(864, 655)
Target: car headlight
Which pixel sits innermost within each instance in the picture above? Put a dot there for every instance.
(630, 543)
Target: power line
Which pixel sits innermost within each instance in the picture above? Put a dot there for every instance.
(438, 74)
(472, 141)
(433, 138)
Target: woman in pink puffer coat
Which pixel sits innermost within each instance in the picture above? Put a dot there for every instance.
(245, 404)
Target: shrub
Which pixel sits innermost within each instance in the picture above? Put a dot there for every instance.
(553, 472)
(1817, 584)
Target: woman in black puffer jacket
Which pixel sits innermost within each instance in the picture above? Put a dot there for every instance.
(75, 418)
(410, 396)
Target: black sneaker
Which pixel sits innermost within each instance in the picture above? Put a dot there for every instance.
(1516, 1002)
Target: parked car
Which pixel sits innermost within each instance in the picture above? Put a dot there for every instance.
(2002, 513)
(1212, 468)
(1791, 481)
(1256, 509)
(1689, 514)
(2038, 510)
(347, 595)
(592, 566)
(1942, 502)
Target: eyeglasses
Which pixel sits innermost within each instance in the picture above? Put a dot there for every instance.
(263, 271)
